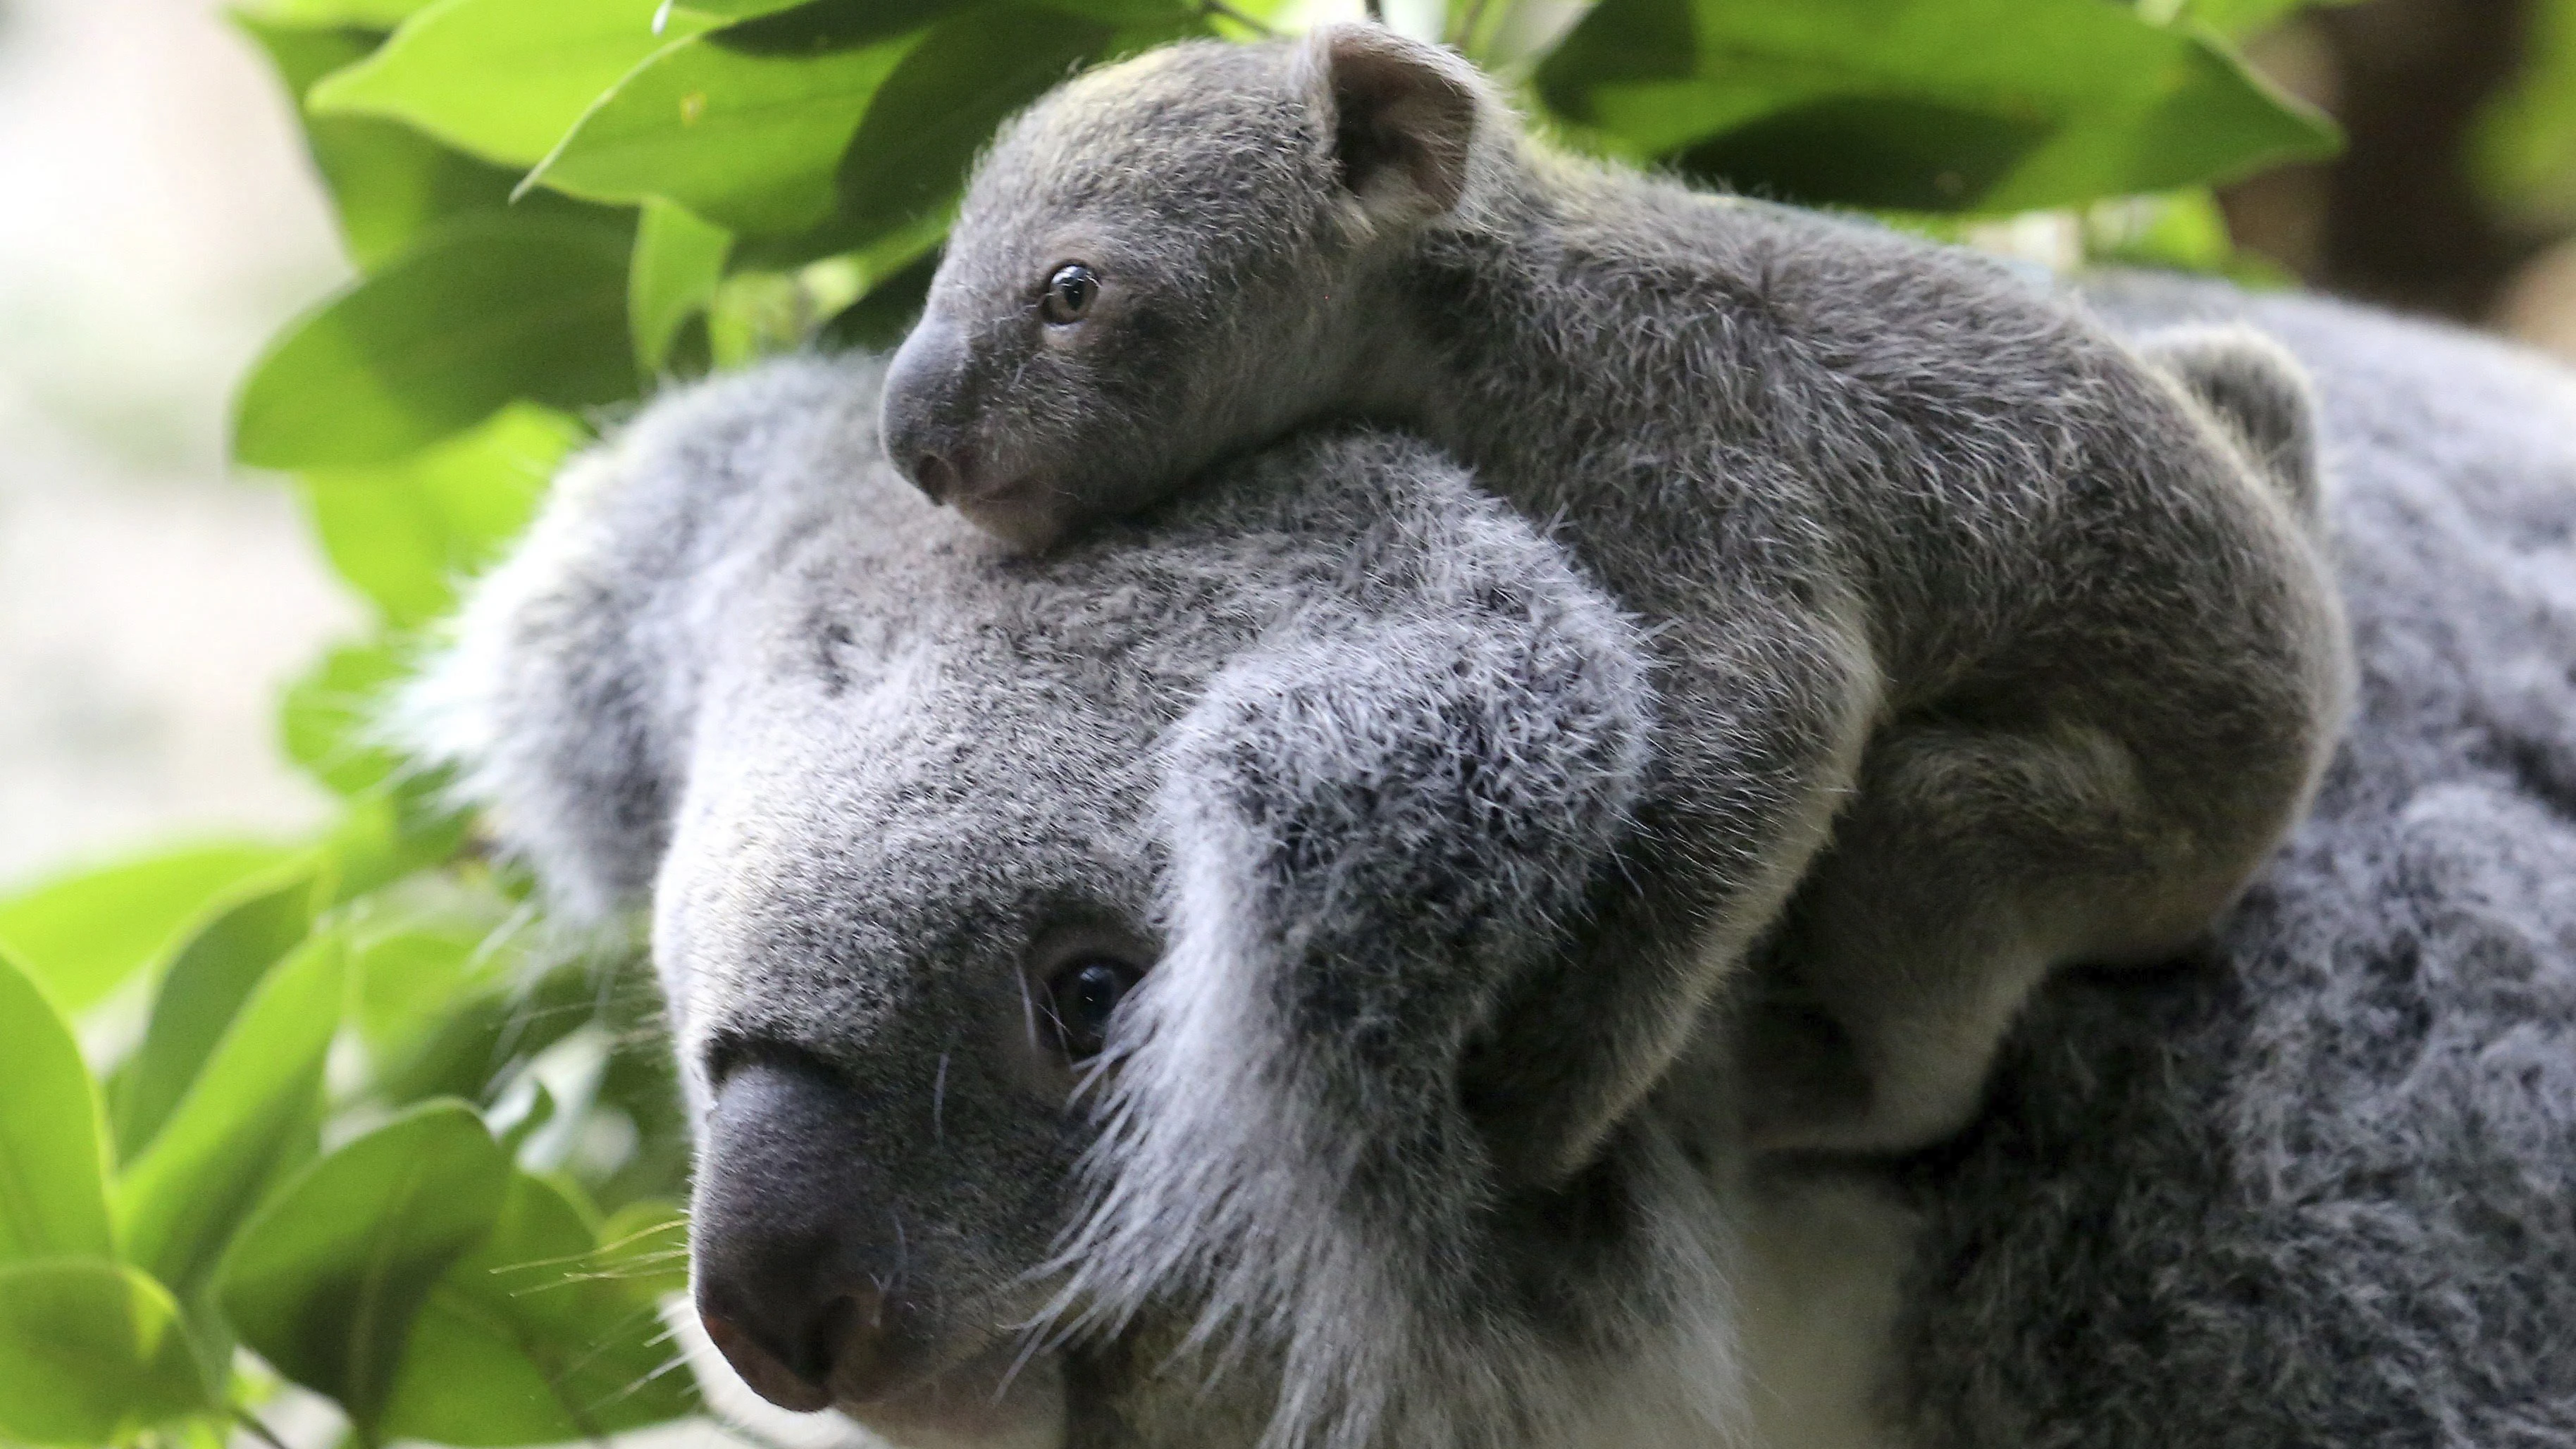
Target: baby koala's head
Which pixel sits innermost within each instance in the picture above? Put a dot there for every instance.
(1161, 262)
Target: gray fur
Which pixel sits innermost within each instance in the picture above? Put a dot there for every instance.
(2313, 1184)
(2017, 650)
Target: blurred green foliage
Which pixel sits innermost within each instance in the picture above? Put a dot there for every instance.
(343, 1112)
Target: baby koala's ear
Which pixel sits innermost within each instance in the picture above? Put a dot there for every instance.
(1401, 116)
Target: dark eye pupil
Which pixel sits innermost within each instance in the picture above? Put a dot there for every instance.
(1084, 997)
(1069, 292)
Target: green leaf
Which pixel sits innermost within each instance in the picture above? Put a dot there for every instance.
(90, 1353)
(678, 262)
(206, 987)
(388, 183)
(413, 977)
(399, 827)
(327, 1280)
(2232, 18)
(405, 533)
(53, 1142)
(748, 140)
(1929, 105)
(935, 112)
(645, 1245)
(2523, 150)
(488, 310)
(528, 1341)
(881, 317)
(83, 935)
(502, 79)
(326, 715)
(245, 1118)
(369, 14)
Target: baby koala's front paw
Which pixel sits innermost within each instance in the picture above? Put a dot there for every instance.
(1801, 1081)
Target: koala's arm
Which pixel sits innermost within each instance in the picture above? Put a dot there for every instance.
(1387, 826)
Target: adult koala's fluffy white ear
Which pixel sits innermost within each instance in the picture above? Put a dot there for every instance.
(1384, 827)
(565, 696)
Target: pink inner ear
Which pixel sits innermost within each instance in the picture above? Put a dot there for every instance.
(1402, 120)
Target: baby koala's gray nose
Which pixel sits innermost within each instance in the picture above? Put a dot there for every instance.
(791, 1286)
(922, 417)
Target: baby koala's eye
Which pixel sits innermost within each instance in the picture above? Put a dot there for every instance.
(1082, 998)
(1068, 294)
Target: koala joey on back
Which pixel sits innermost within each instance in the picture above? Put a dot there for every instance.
(1985, 643)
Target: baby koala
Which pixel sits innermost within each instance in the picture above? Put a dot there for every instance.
(1984, 643)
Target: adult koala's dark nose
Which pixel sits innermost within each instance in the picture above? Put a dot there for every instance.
(798, 1251)
(924, 415)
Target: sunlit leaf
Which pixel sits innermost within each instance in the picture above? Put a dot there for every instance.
(241, 1123)
(406, 533)
(327, 1280)
(369, 14)
(207, 985)
(489, 310)
(502, 79)
(2523, 152)
(942, 103)
(53, 1141)
(388, 183)
(645, 1245)
(1922, 104)
(748, 140)
(391, 830)
(90, 1352)
(678, 262)
(82, 935)
(536, 1338)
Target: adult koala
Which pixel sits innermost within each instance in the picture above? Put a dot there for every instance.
(1345, 753)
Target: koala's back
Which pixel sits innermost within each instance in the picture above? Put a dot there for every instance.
(2319, 1188)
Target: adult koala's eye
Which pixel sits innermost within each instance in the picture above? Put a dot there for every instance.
(1082, 998)
(1068, 294)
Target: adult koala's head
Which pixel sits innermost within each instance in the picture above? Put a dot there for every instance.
(1267, 813)
(1171, 258)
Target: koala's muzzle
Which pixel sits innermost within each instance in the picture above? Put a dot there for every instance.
(925, 414)
(799, 1256)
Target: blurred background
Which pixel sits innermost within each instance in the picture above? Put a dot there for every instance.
(160, 221)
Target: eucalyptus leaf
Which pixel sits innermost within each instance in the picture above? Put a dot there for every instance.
(747, 140)
(368, 14)
(1917, 104)
(935, 112)
(53, 1152)
(2523, 149)
(91, 1352)
(327, 1280)
(389, 184)
(84, 934)
(678, 262)
(528, 1341)
(502, 79)
(205, 988)
(488, 310)
(405, 533)
(327, 715)
(245, 1119)
(645, 1245)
